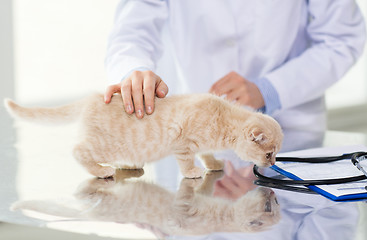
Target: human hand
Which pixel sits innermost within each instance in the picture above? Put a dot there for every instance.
(239, 89)
(138, 90)
(235, 183)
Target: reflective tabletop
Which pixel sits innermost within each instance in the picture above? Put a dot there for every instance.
(43, 186)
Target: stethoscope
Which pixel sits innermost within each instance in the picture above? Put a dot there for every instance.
(294, 185)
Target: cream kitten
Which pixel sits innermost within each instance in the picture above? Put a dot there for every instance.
(188, 212)
(182, 125)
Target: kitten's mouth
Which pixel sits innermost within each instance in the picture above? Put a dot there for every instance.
(268, 205)
(272, 162)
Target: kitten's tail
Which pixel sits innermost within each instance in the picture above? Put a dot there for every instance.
(43, 115)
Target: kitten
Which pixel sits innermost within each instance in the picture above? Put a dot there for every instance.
(183, 125)
(191, 211)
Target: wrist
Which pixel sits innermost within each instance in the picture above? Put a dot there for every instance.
(269, 94)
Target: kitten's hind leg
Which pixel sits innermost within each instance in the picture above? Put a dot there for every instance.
(187, 166)
(210, 162)
(90, 157)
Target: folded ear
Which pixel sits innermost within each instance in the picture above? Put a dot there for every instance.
(257, 135)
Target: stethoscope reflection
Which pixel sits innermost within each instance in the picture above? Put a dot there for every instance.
(192, 210)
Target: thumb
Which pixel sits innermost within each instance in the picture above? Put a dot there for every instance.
(110, 91)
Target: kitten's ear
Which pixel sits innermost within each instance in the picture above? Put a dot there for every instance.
(257, 135)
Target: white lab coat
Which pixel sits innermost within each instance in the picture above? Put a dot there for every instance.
(302, 47)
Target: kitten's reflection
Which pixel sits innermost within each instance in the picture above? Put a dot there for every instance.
(191, 211)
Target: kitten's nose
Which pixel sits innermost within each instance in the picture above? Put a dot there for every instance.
(272, 161)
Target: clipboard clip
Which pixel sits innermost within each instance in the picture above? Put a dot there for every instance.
(356, 158)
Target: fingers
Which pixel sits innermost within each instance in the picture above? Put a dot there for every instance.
(221, 191)
(239, 89)
(251, 96)
(126, 96)
(235, 183)
(231, 186)
(139, 90)
(137, 93)
(235, 95)
(148, 91)
(239, 174)
(153, 86)
(217, 86)
(231, 82)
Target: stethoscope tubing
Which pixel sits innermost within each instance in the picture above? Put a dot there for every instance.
(319, 159)
(265, 179)
(307, 182)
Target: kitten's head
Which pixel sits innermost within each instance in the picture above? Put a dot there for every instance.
(257, 210)
(260, 140)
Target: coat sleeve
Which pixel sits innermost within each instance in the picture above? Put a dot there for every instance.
(337, 36)
(135, 40)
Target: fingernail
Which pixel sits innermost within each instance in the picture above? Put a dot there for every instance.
(139, 113)
(149, 109)
(129, 109)
(163, 92)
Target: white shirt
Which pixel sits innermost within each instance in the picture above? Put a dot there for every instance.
(301, 47)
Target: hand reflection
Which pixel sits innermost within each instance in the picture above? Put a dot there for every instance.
(235, 183)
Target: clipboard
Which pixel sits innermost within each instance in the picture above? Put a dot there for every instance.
(354, 191)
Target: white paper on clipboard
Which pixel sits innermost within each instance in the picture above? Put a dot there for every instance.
(338, 169)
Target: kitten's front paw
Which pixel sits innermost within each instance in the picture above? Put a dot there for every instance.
(216, 165)
(213, 175)
(195, 172)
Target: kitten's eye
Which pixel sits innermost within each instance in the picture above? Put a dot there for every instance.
(269, 155)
